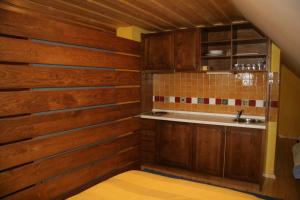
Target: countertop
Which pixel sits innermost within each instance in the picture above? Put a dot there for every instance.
(203, 118)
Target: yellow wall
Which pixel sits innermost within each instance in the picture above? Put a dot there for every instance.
(289, 113)
(131, 32)
(270, 152)
(272, 126)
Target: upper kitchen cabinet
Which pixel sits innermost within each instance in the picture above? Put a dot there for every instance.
(186, 49)
(158, 49)
(230, 48)
(250, 48)
(216, 48)
(237, 47)
(178, 50)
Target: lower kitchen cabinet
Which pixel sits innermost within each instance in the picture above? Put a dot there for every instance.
(230, 152)
(209, 149)
(175, 144)
(148, 141)
(243, 154)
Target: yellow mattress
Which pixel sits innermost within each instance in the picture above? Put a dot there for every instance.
(138, 185)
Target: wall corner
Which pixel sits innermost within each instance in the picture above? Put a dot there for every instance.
(131, 32)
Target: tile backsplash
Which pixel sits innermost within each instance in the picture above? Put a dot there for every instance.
(215, 93)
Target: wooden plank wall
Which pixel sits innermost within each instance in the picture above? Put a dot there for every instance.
(68, 100)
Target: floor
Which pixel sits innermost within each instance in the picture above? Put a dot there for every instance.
(283, 187)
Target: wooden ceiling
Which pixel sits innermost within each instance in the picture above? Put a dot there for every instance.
(153, 15)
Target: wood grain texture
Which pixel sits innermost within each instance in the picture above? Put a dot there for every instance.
(135, 165)
(149, 141)
(206, 178)
(152, 15)
(20, 102)
(209, 149)
(65, 183)
(108, 12)
(27, 151)
(63, 117)
(158, 51)
(16, 179)
(29, 8)
(128, 94)
(22, 25)
(28, 51)
(147, 92)
(24, 76)
(175, 144)
(285, 186)
(18, 128)
(243, 154)
(186, 49)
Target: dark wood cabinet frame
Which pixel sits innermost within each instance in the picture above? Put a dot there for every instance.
(186, 49)
(229, 152)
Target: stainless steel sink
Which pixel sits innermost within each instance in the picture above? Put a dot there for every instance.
(249, 120)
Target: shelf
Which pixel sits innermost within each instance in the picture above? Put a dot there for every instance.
(216, 42)
(248, 71)
(216, 57)
(250, 40)
(250, 56)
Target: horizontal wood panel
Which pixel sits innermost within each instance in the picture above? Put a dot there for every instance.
(27, 51)
(127, 78)
(135, 165)
(128, 94)
(18, 128)
(32, 27)
(16, 179)
(20, 102)
(27, 151)
(70, 181)
(60, 128)
(24, 76)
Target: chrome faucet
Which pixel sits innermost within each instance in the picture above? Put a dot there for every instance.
(239, 114)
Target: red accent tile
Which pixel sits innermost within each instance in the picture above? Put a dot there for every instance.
(177, 99)
(161, 98)
(156, 98)
(218, 101)
(274, 104)
(252, 103)
(238, 102)
(206, 100)
(188, 100)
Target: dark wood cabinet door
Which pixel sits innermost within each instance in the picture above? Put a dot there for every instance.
(209, 149)
(243, 154)
(186, 49)
(148, 146)
(158, 51)
(175, 144)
